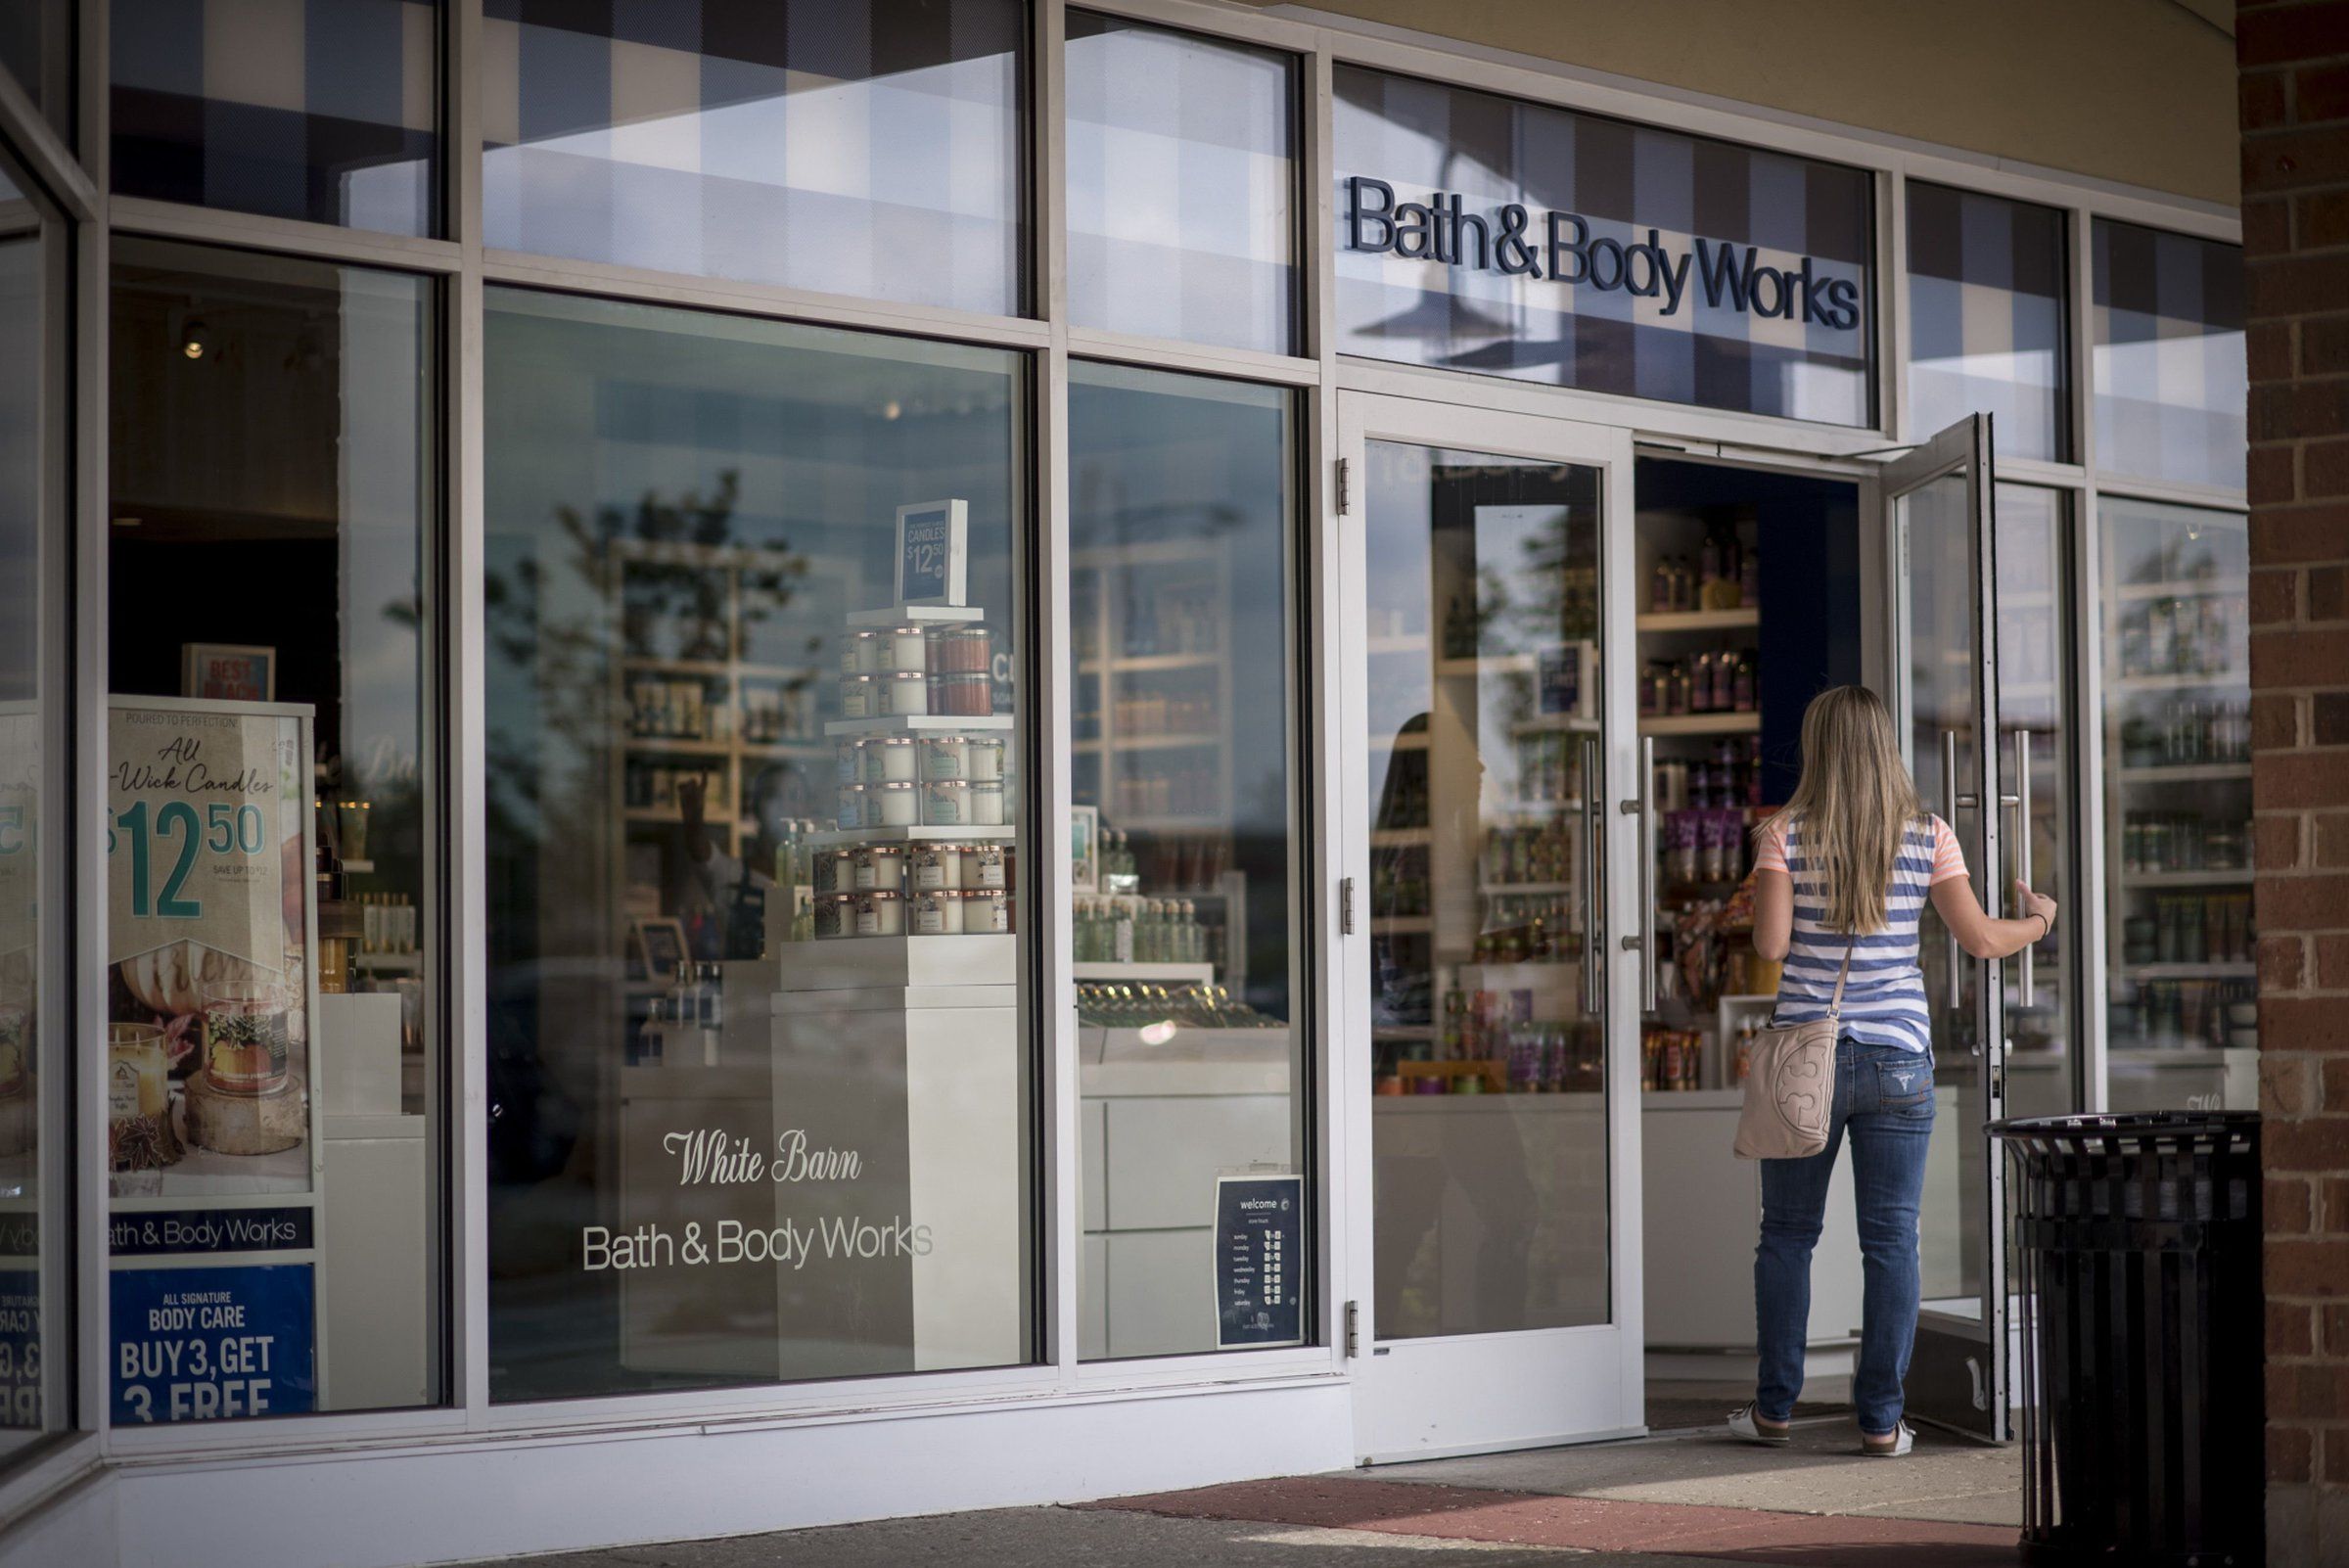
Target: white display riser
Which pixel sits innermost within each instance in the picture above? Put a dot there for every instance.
(868, 963)
(1701, 1209)
(922, 1084)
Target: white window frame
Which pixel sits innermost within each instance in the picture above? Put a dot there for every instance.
(466, 269)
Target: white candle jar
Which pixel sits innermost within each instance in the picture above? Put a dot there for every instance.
(856, 695)
(850, 761)
(835, 914)
(880, 914)
(891, 805)
(901, 648)
(946, 802)
(985, 909)
(903, 693)
(946, 757)
(985, 802)
(852, 806)
(938, 914)
(934, 867)
(859, 651)
(888, 759)
(982, 760)
(986, 867)
(880, 868)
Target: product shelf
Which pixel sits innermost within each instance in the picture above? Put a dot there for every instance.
(1745, 724)
(918, 724)
(1699, 620)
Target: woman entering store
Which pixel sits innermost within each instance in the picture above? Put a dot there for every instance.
(1841, 879)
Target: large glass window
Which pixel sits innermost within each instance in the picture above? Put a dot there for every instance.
(37, 1242)
(1481, 233)
(1182, 183)
(1986, 319)
(1182, 502)
(858, 147)
(324, 109)
(760, 1088)
(2171, 376)
(273, 1035)
(2181, 1015)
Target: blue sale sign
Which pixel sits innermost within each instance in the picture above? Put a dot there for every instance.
(200, 1344)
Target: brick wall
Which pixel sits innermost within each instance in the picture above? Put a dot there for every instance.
(2294, 79)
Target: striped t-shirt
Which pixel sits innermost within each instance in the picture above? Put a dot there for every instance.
(1884, 996)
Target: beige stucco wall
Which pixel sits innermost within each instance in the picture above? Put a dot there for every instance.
(2138, 91)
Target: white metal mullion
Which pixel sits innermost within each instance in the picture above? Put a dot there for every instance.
(1055, 1006)
(87, 955)
(1891, 303)
(2087, 609)
(325, 242)
(465, 1095)
(1333, 763)
(641, 286)
(1159, 353)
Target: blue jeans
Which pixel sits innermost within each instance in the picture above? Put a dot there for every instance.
(1884, 1101)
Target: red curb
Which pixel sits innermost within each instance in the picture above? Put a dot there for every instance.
(1593, 1524)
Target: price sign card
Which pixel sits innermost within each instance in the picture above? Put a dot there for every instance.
(1259, 1260)
(932, 552)
(206, 1344)
(210, 923)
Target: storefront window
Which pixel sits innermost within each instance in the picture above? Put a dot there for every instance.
(36, 1212)
(2171, 374)
(760, 1084)
(1986, 319)
(325, 112)
(1480, 233)
(274, 1047)
(1182, 185)
(2180, 1016)
(870, 148)
(1183, 500)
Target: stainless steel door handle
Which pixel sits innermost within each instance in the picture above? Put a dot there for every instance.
(2022, 799)
(1593, 794)
(1644, 809)
(1949, 802)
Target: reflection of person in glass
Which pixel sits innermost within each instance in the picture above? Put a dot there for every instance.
(721, 898)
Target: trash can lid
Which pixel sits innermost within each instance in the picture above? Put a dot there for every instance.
(2135, 1126)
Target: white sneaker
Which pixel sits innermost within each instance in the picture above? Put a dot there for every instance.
(1893, 1445)
(1744, 1423)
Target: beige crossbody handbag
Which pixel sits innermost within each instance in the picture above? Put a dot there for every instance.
(1791, 1083)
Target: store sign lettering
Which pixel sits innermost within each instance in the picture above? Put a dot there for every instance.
(1564, 249)
(709, 1157)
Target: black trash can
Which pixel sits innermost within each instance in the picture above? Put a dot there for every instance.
(2137, 1252)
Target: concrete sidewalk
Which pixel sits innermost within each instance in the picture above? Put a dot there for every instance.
(1680, 1499)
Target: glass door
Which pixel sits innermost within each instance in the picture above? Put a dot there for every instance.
(1490, 1020)
(1944, 666)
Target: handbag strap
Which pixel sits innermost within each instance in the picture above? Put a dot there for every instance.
(1835, 1007)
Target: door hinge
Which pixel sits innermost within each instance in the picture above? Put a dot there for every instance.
(1344, 906)
(1353, 1329)
(1344, 486)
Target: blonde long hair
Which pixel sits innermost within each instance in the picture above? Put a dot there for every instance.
(1856, 800)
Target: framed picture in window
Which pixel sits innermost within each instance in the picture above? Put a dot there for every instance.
(659, 945)
(219, 671)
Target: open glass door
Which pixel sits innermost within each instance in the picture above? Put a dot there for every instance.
(1484, 559)
(1945, 662)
